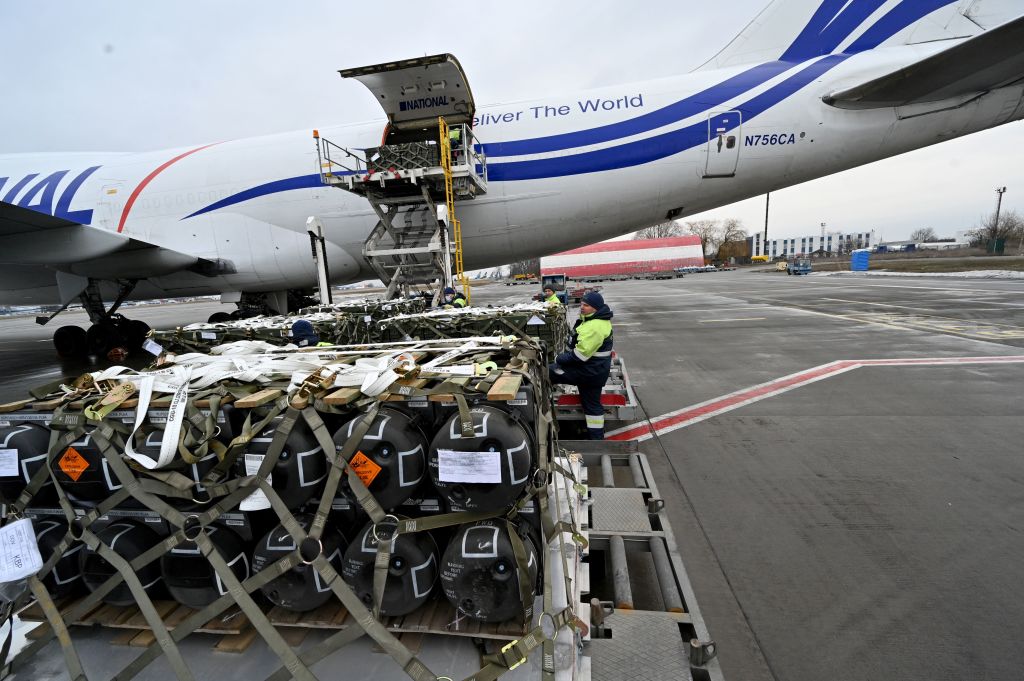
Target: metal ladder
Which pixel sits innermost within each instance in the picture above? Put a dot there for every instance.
(449, 193)
(404, 184)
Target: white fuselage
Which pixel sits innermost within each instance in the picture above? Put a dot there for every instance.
(565, 171)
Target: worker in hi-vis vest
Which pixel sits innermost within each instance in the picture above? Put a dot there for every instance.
(550, 296)
(305, 336)
(453, 298)
(588, 360)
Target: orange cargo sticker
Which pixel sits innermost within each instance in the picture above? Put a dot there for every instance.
(365, 467)
(73, 464)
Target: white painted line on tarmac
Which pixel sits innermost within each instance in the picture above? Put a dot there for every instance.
(734, 319)
(687, 416)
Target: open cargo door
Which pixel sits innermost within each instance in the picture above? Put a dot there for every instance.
(414, 92)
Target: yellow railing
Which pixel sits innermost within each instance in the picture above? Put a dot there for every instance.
(449, 195)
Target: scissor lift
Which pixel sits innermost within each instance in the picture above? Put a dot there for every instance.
(429, 160)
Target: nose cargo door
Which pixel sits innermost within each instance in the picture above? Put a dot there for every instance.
(415, 92)
(723, 149)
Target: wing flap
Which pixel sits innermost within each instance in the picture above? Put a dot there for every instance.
(985, 62)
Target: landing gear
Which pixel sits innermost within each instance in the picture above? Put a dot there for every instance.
(111, 335)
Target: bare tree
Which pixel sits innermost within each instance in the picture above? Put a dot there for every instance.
(707, 231)
(732, 230)
(1009, 227)
(660, 231)
(923, 235)
(732, 240)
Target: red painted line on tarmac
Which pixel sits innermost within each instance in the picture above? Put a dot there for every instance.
(687, 416)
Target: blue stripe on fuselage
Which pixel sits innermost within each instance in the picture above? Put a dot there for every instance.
(654, 148)
(832, 23)
(677, 111)
(897, 19)
(300, 182)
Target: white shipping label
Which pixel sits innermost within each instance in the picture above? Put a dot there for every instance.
(209, 335)
(535, 321)
(19, 553)
(8, 462)
(152, 347)
(257, 501)
(456, 466)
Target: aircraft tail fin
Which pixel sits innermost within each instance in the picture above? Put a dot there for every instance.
(797, 30)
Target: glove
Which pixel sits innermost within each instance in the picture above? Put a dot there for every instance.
(567, 357)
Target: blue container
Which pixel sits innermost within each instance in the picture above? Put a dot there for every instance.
(859, 260)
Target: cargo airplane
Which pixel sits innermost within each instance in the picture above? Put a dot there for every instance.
(808, 88)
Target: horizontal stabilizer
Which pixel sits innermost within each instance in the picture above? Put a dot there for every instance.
(985, 62)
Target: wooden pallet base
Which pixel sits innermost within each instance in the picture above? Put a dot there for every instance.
(234, 629)
(436, 617)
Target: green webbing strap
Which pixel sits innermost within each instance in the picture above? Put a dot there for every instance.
(363, 496)
(41, 391)
(436, 522)
(212, 479)
(515, 653)
(57, 626)
(256, 617)
(381, 563)
(465, 418)
(523, 571)
(311, 656)
(409, 663)
(201, 617)
(339, 464)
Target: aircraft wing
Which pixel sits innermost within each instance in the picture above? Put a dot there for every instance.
(28, 237)
(987, 61)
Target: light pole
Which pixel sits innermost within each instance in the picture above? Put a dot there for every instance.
(764, 245)
(995, 225)
(823, 238)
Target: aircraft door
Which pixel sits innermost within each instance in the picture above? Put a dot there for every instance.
(724, 137)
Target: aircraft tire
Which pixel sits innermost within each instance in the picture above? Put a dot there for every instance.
(219, 318)
(70, 342)
(136, 333)
(103, 337)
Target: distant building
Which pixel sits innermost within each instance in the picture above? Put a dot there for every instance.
(832, 243)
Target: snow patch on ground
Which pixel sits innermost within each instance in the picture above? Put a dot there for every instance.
(976, 274)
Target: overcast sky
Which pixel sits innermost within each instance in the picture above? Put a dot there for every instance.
(129, 75)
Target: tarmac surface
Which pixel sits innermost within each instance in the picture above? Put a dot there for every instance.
(861, 523)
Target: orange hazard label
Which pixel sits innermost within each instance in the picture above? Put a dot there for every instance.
(365, 467)
(73, 464)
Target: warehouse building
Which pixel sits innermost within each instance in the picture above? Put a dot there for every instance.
(828, 244)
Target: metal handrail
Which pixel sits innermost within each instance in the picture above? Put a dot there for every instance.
(328, 162)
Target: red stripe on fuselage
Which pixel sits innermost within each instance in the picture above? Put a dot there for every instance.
(149, 178)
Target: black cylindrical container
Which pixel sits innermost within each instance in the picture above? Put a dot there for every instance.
(130, 540)
(83, 472)
(65, 579)
(412, 570)
(24, 448)
(391, 457)
(487, 472)
(480, 574)
(301, 469)
(300, 589)
(189, 576)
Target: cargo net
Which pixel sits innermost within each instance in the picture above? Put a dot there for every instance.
(339, 323)
(378, 324)
(380, 480)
